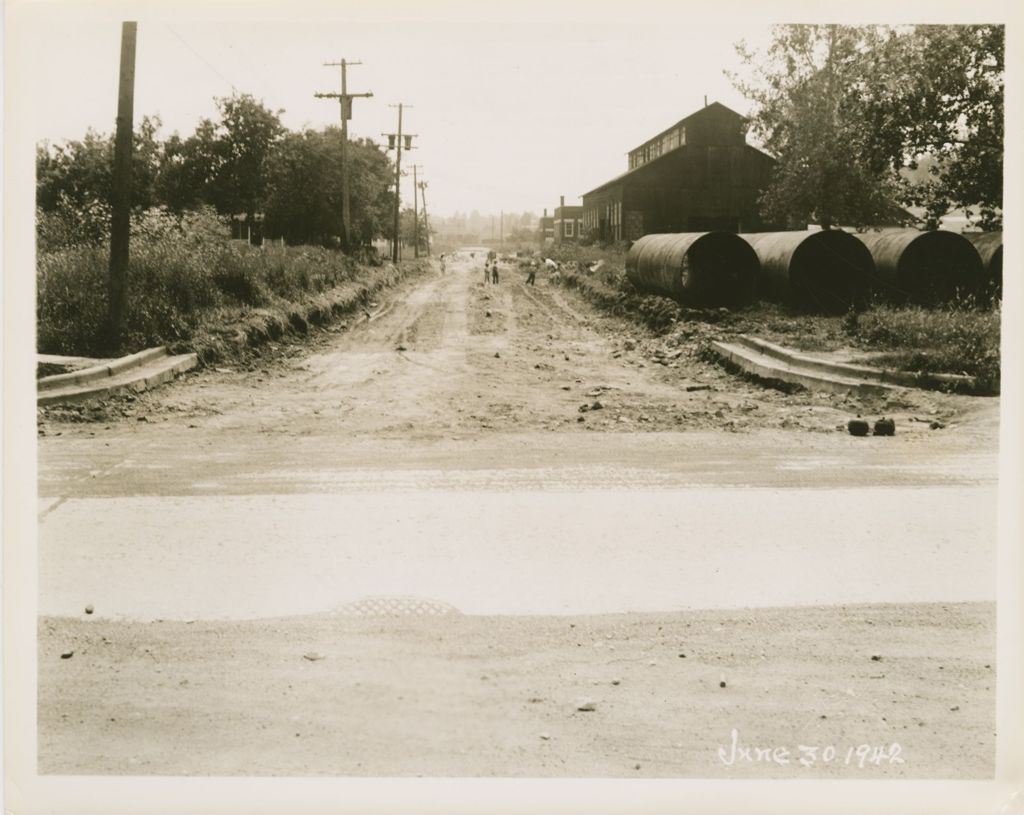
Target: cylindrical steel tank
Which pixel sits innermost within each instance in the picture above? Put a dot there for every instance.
(924, 267)
(825, 271)
(695, 268)
(990, 248)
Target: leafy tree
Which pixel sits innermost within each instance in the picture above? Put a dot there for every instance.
(237, 155)
(304, 188)
(80, 173)
(408, 220)
(935, 93)
(371, 188)
(188, 169)
(847, 109)
(803, 87)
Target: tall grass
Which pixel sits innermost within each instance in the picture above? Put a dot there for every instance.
(935, 340)
(181, 275)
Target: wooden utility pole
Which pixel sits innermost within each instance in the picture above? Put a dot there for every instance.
(120, 222)
(345, 103)
(397, 140)
(426, 221)
(415, 214)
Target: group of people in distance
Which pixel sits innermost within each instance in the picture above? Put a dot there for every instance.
(491, 268)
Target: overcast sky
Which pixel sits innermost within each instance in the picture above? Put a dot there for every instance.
(512, 105)
(508, 114)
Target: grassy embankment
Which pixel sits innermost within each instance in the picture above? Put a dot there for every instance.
(192, 289)
(952, 339)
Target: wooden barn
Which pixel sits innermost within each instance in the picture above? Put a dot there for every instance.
(698, 175)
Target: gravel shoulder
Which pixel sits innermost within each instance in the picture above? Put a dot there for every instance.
(455, 695)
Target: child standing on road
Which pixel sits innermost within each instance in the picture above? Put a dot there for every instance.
(494, 272)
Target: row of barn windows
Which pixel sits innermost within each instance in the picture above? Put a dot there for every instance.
(652, 150)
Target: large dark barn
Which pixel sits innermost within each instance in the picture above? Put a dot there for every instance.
(696, 176)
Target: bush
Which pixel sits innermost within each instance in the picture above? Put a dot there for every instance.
(182, 271)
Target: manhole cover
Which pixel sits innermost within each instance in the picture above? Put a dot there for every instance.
(392, 606)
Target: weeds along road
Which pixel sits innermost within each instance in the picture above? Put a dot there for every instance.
(438, 452)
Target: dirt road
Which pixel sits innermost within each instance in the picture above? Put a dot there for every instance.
(508, 455)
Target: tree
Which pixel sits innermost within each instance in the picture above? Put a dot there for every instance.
(303, 203)
(847, 110)
(803, 88)
(243, 141)
(408, 228)
(935, 93)
(188, 169)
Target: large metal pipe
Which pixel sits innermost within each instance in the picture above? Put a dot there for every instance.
(695, 268)
(827, 271)
(990, 249)
(924, 267)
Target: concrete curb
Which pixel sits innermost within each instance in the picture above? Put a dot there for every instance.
(136, 372)
(765, 366)
(908, 379)
(100, 372)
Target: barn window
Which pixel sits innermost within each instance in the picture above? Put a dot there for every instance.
(568, 229)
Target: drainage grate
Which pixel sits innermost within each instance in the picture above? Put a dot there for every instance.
(400, 606)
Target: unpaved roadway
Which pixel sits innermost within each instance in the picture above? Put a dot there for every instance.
(435, 458)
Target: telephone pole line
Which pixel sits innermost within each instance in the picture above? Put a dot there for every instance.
(415, 213)
(426, 221)
(395, 140)
(120, 222)
(345, 103)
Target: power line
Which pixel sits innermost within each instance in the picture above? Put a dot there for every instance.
(202, 58)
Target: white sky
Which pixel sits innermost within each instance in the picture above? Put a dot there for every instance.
(513, 105)
(509, 115)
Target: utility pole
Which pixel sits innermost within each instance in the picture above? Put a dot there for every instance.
(426, 221)
(415, 214)
(345, 103)
(395, 140)
(501, 232)
(120, 222)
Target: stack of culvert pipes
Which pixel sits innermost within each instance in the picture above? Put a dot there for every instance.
(823, 271)
(926, 268)
(695, 268)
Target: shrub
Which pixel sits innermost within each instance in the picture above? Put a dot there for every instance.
(183, 271)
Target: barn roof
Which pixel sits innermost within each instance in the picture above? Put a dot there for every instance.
(695, 115)
(653, 163)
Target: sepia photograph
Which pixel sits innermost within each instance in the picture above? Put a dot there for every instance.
(449, 392)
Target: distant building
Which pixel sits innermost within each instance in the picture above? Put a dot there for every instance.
(698, 175)
(546, 229)
(568, 222)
